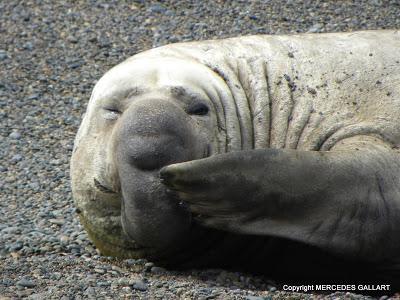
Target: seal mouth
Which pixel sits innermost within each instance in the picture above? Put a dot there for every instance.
(102, 187)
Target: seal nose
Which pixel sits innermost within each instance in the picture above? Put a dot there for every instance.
(155, 133)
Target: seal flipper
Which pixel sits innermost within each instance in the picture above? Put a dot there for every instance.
(345, 201)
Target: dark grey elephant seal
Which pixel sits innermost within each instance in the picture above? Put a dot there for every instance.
(278, 153)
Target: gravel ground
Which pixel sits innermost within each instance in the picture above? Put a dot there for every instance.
(51, 54)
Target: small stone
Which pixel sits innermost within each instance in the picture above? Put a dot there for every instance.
(33, 97)
(16, 158)
(75, 65)
(100, 271)
(34, 186)
(15, 254)
(156, 8)
(28, 46)
(130, 262)
(11, 230)
(26, 283)
(123, 281)
(118, 269)
(103, 283)
(316, 28)
(139, 285)
(148, 266)
(254, 298)
(55, 162)
(15, 135)
(104, 42)
(90, 291)
(16, 246)
(3, 55)
(271, 288)
(58, 222)
(126, 289)
(72, 39)
(64, 239)
(157, 270)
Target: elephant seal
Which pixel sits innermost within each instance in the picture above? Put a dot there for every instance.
(276, 153)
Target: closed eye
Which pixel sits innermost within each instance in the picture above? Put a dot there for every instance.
(111, 113)
(112, 109)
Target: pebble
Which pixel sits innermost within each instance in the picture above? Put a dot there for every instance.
(157, 270)
(100, 271)
(15, 135)
(26, 283)
(139, 285)
(255, 298)
(130, 262)
(16, 246)
(316, 28)
(16, 158)
(57, 221)
(3, 55)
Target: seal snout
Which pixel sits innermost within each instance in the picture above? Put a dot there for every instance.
(155, 133)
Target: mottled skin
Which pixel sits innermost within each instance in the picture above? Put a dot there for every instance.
(256, 149)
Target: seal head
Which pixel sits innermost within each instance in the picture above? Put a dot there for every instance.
(143, 115)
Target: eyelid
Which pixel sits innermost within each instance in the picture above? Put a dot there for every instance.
(111, 113)
(112, 109)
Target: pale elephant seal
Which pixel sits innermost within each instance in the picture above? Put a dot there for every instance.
(277, 152)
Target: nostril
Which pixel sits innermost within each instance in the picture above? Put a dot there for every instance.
(151, 153)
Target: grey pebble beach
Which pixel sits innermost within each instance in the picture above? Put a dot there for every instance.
(51, 55)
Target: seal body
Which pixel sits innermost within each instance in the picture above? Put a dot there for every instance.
(242, 150)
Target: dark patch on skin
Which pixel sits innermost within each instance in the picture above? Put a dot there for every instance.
(311, 91)
(290, 83)
(178, 91)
